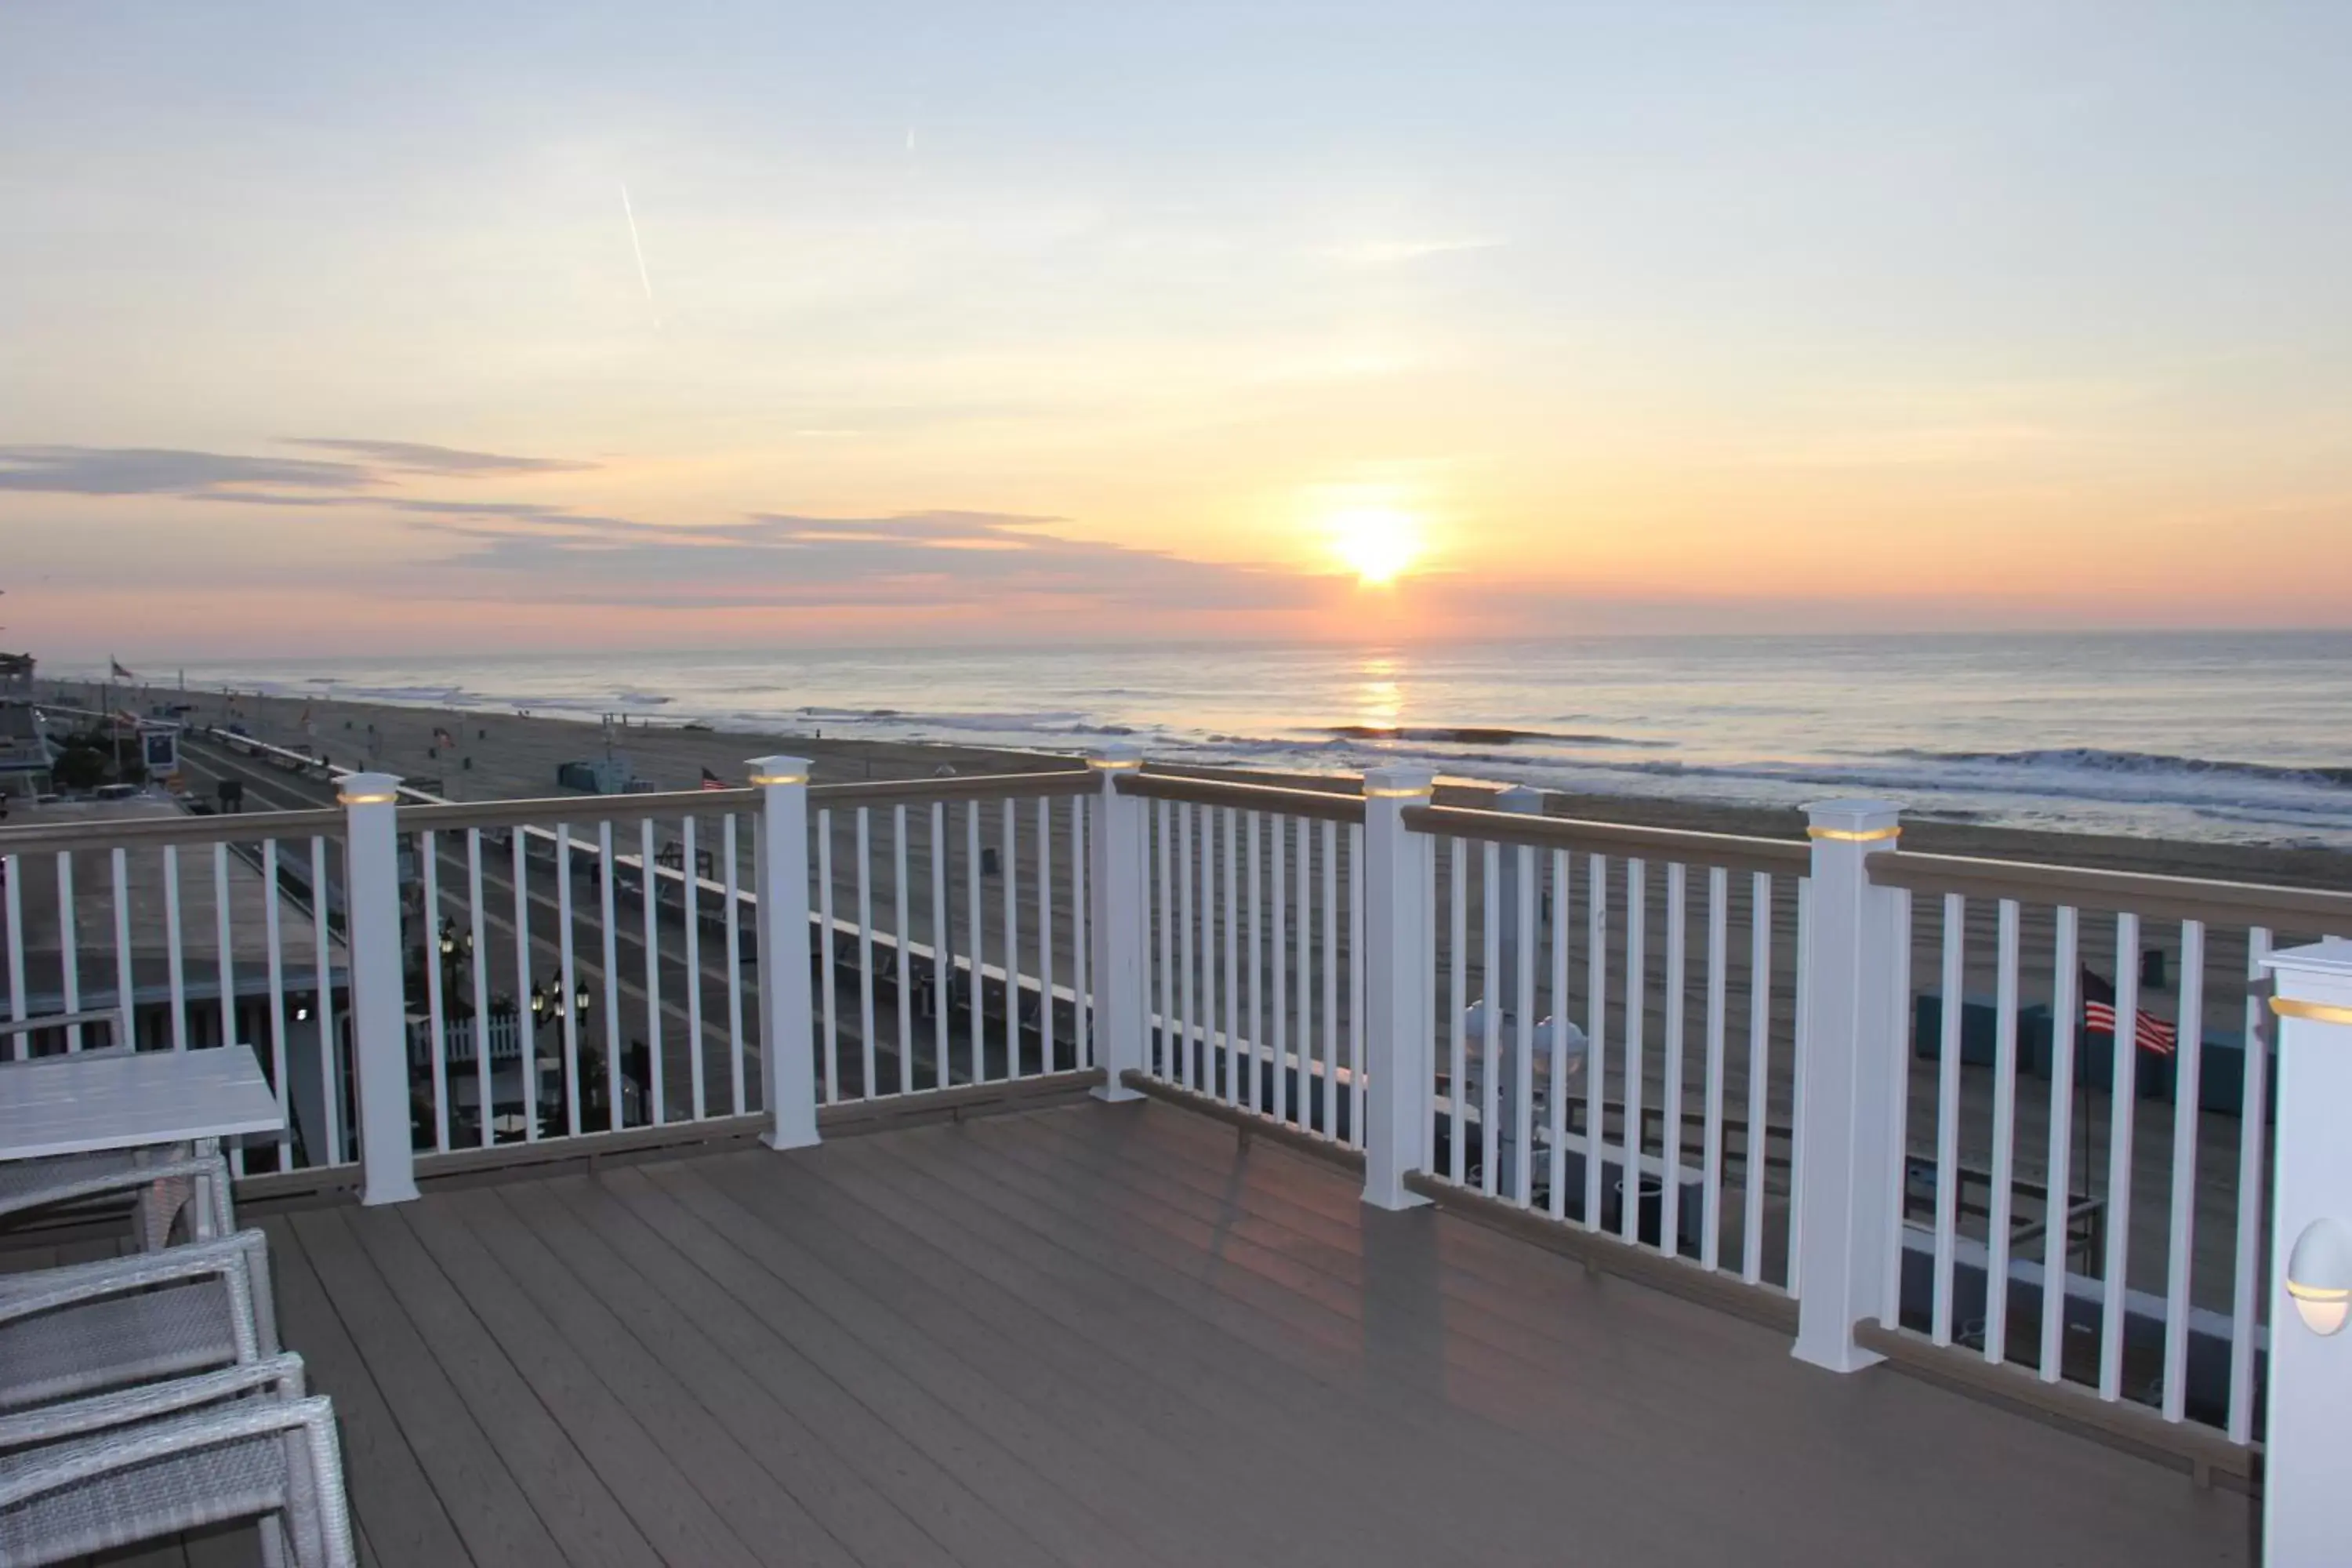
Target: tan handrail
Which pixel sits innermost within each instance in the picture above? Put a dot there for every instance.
(1326, 806)
(130, 833)
(1044, 782)
(2173, 897)
(1777, 856)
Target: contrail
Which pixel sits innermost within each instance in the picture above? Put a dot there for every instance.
(637, 245)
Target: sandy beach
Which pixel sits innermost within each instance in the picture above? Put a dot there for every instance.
(510, 756)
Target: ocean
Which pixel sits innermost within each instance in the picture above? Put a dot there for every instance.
(2228, 737)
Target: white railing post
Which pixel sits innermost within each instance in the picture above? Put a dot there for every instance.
(2310, 1378)
(1842, 1208)
(787, 1046)
(378, 1007)
(1397, 1021)
(1115, 966)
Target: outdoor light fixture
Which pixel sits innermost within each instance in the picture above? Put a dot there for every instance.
(1846, 836)
(2319, 1276)
(779, 778)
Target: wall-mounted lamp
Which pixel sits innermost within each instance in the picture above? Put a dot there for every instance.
(2319, 1276)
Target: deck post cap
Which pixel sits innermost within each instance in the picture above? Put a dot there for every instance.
(1116, 756)
(2318, 975)
(779, 769)
(1853, 819)
(1399, 782)
(368, 789)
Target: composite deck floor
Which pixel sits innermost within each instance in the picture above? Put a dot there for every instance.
(1098, 1335)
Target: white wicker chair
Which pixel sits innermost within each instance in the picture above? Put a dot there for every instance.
(280, 1378)
(276, 1461)
(165, 1180)
(163, 1185)
(70, 1331)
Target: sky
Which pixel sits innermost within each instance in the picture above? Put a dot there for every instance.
(343, 327)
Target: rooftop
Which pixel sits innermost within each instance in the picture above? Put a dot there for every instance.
(1093, 1334)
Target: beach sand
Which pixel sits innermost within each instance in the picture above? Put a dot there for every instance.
(507, 756)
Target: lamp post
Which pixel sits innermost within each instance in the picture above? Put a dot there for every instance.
(457, 951)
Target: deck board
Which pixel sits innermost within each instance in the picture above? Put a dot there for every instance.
(387, 1485)
(1097, 1334)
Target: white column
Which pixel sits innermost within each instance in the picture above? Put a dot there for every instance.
(1116, 872)
(378, 1012)
(2310, 1379)
(787, 1046)
(1396, 989)
(1843, 1207)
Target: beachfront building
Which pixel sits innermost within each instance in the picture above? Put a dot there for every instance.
(24, 748)
(1086, 1163)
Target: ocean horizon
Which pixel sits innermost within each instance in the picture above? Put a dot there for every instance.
(2228, 737)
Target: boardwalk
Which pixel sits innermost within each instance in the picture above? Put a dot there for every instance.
(1092, 1335)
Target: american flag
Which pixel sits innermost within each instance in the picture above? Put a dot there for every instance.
(712, 781)
(2149, 1032)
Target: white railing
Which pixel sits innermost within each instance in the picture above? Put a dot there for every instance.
(2136, 1268)
(1583, 1035)
(1253, 974)
(1855, 1077)
(245, 945)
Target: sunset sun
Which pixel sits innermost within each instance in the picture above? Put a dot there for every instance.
(1379, 545)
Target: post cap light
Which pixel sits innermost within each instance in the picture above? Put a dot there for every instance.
(779, 769)
(1115, 757)
(1399, 784)
(1854, 821)
(2319, 1276)
(369, 789)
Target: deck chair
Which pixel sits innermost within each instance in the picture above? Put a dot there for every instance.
(275, 1461)
(76, 1330)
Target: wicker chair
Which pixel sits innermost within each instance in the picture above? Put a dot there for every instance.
(276, 1461)
(65, 1332)
(280, 1376)
(164, 1183)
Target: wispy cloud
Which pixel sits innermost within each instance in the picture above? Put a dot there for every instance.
(417, 457)
(258, 481)
(155, 470)
(909, 561)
